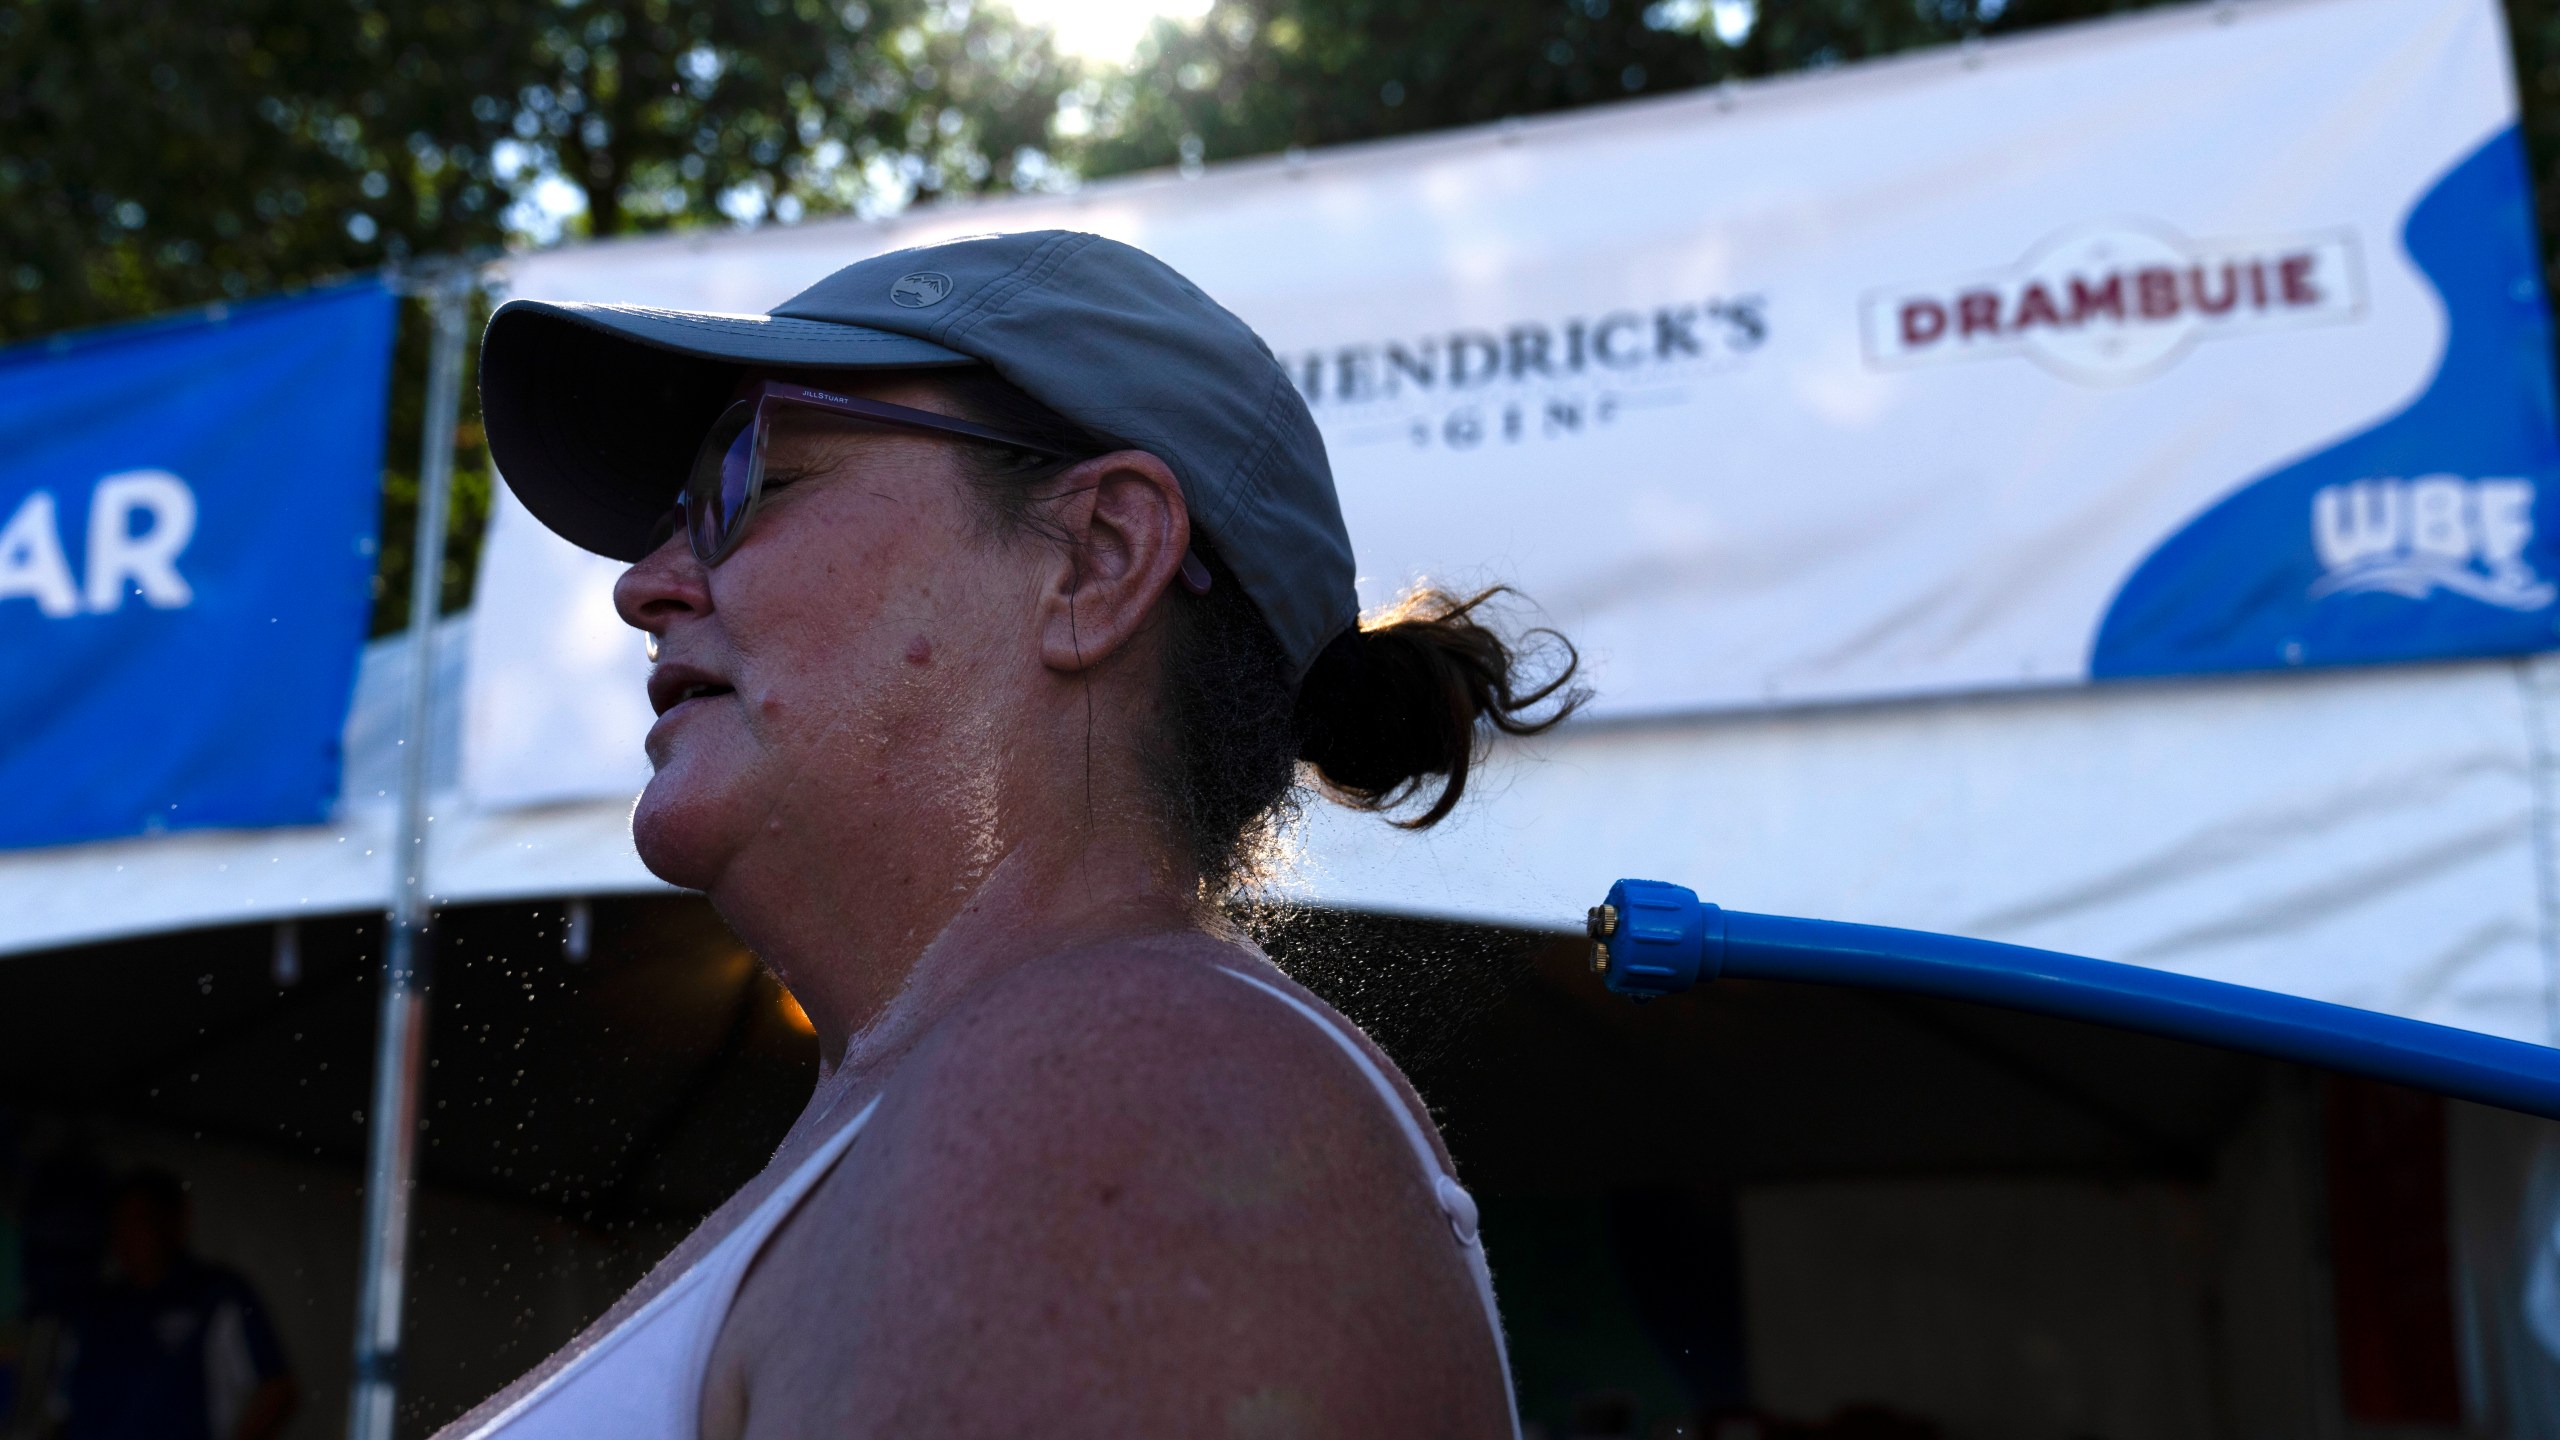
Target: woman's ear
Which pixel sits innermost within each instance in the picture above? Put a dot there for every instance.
(1120, 530)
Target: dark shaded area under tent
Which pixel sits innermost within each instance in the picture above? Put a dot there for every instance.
(1789, 1206)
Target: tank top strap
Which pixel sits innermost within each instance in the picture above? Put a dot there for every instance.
(642, 1380)
(1455, 1203)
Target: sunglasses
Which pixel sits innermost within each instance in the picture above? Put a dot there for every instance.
(727, 481)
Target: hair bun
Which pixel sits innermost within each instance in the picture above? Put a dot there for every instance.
(1410, 694)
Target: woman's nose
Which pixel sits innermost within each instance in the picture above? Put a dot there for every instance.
(664, 586)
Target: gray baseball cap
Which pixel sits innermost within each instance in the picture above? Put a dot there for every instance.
(593, 411)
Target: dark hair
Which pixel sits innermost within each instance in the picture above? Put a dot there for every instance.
(1401, 700)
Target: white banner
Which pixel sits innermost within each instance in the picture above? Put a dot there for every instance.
(2203, 340)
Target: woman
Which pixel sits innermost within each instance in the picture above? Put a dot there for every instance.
(996, 590)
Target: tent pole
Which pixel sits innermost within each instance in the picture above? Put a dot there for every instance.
(400, 1048)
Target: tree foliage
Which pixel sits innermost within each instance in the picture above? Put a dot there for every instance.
(156, 154)
(2534, 28)
(1258, 76)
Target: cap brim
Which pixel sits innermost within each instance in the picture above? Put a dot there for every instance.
(593, 411)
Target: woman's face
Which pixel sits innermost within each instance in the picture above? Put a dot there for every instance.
(839, 686)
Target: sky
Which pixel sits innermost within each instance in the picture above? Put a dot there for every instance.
(1103, 29)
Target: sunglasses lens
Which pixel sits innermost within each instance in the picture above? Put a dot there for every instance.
(722, 482)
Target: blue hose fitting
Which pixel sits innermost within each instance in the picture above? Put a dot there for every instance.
(1649, 938)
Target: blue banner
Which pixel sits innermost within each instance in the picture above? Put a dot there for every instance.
(187, 513)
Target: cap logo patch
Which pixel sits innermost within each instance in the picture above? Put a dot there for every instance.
(923, 288)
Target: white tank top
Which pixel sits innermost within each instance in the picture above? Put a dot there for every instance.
(642, 1380)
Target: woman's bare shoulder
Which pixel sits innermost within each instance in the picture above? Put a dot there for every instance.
(1129, 1185)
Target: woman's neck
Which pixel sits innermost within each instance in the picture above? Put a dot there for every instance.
(1038, 899)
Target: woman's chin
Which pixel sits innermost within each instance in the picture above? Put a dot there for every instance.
(679, 834)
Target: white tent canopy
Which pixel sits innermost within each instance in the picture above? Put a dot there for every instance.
(2383, 837)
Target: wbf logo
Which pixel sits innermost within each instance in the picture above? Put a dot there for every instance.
(2438, 532)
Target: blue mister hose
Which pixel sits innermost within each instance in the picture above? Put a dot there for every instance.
(1651, 939)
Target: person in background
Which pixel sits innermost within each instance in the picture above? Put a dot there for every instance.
(62, 1250)
(173, 1347)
